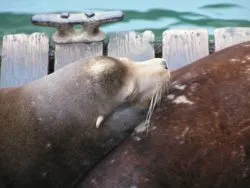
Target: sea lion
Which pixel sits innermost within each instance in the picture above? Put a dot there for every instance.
(53, 130)
(200, 132)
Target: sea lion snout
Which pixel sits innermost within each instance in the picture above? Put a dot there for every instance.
(152, 76)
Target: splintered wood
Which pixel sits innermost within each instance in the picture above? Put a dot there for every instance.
(24, 58)
(225, 37)
(136, 46)
(68, 53)
(182, 47)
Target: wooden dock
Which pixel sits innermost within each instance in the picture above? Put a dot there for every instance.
(28, 57)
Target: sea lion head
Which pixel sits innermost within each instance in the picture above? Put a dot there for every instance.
(128, 82)
(152, 79)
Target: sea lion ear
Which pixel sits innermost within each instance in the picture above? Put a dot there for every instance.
(99, 121)
(102, 118)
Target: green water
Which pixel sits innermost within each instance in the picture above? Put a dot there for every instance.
(151, 19)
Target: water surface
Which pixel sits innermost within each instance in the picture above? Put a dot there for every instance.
(140, 15)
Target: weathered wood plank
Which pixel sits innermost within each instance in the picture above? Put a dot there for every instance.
(136, 46)
(24, 58)
(68, 53)
(182, 47)
(225, 37)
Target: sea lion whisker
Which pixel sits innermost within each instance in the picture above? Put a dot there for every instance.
(156, 98)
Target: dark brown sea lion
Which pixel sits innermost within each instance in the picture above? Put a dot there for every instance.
(200, 133)
(53, 130)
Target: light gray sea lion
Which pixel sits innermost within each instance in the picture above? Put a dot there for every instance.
(53, 130)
